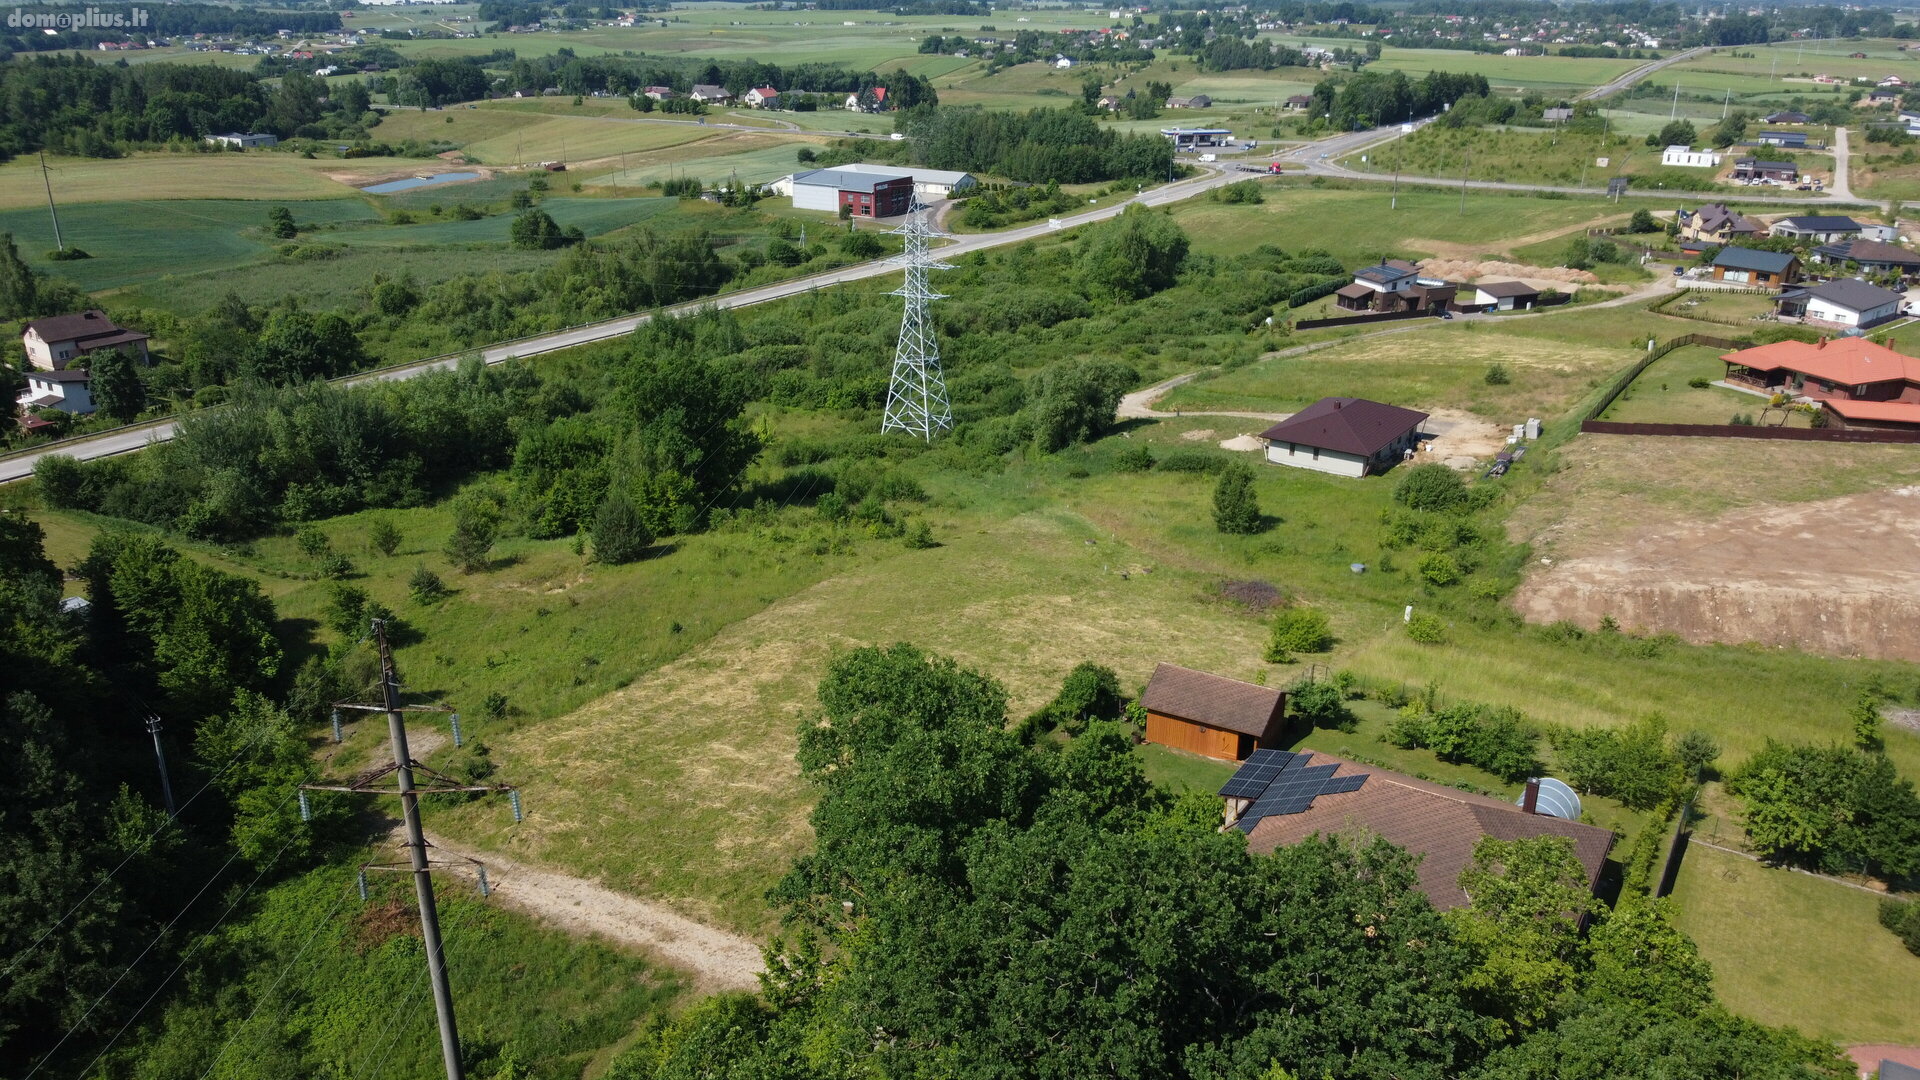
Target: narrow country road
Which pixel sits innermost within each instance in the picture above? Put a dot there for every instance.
(1641, 72)
(1842, 186)
(717, 959)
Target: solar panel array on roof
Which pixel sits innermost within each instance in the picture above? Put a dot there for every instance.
(1280, 783)
(1256, 773)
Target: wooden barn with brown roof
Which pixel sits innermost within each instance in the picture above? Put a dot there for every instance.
(1211, 714)
(1280, 798)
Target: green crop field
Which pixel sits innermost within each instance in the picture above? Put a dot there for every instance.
(1544, 73)
(768, 160)
(252, 175)
(1788, 948)
(139, 241)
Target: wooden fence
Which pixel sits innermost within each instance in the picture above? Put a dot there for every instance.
(1625, 378)
(1369, 317)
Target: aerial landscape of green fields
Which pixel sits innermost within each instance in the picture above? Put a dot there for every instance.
(709, 539)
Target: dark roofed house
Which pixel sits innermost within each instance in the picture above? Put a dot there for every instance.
(1211, 714)
(1796, 140)
(1765, 269)
(1871, 256)
(1505, 295)
(1825, 228)
(1344, 436)
(1747, 168)
(1278, 802)
(1298, 102)
(1716, 224)
(1846, 302)
(1786, 118)
(52, 343)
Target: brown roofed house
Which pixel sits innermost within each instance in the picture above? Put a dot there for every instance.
(1344, 436)
(1211, 714)
(52, 343)
(1278, 799)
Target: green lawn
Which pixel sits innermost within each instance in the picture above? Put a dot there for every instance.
(1178, 770)
(1788, 948)
(1661, 394)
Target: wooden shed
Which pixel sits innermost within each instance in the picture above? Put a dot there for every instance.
(1210, 714)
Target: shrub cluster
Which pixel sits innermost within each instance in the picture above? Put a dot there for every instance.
(1497, 738)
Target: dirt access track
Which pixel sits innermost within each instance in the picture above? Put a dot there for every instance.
(1839, 576)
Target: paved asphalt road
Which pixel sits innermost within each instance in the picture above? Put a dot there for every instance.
(1639, 73)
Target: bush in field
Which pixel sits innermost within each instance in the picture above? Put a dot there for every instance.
(1236, 508)
(1426, 629)
(1322, 704)
(1298, 630)
(1432, 486)
(620, 535)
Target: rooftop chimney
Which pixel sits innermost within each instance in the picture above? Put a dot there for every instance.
(1532, 802)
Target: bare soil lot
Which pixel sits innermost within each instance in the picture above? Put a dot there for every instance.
(1733, 544)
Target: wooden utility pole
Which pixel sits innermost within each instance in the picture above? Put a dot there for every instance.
(419, 863)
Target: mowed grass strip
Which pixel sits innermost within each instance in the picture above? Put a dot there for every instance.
(1789, 948)
(1661, 394)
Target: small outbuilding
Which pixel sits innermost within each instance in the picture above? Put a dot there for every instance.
(1345, 436)
(1212, 714)
(1505, 295)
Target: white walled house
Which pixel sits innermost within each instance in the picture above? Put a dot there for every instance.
(1847, 302)
(245, 140)
(1345, 437)
(1686, 157)
(55, 342)
(67, 391)
(763, 97)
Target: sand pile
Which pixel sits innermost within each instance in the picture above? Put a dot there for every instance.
(1474, 270)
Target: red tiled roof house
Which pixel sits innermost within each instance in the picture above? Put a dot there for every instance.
(1211, 714)
(1862, 383)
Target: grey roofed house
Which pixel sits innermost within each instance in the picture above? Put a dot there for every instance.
(1765, 262)
(1785, 118)
(1716, 217)
(1347, 425)
(849, 179)
(1815, 225)
(1851, 293)
(1213, 700)
(1893, 1070)
(1556, 115)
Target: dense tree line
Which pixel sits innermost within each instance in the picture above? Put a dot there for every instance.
(1038, 146)
(1371, 98)
(92, 870)
(1032, 909)
(625, 76)
(73, 105)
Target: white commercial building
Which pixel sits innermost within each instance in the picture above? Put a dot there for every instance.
(1687, 157)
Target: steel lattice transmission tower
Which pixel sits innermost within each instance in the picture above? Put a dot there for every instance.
(917, 395)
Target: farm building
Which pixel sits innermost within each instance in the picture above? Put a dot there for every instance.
(1280, 798)
(1211, 714)
(1686, 157)
(1871, 256)
(1824, 228)
(55, 342)
(1344, 436)
(1863, 383)
(1714, 223)
(1845, 303)
(69, 391)
(865, 194)
(1780, 172)
(1796, 140)
(1197, 101)
(1297, 103)
(1505, 295)
(1765, 269)
(245, 140)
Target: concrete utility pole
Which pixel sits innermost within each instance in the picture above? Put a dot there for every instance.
(160, 758)
(1674, 113)
(51, 212)
(419, 864)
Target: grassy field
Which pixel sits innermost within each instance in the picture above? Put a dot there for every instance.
(505, 136)
(755, 159)
(1539, 157)
(1444, 367)
(1792, 949)
(1510, 73)
(1428, 221)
